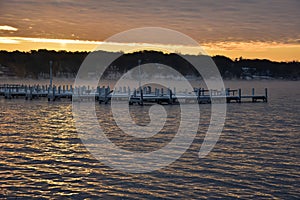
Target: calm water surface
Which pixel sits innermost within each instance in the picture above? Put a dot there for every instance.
(257, 155)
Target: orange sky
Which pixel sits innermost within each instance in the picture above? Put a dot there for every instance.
(276, 52)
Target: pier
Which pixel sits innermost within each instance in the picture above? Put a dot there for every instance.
(138, 96)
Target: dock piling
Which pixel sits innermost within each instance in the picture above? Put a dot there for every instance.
(142, 97)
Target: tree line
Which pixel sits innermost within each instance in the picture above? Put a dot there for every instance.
(34, 63)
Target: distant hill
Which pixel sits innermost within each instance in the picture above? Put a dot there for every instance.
(36, 64)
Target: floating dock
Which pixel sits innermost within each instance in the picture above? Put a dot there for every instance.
(133, 96)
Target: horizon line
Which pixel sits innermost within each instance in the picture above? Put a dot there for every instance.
(273, 51)
(86, 51)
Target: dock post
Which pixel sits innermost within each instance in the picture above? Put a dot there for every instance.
(99, 94)
(266, 94)
(9, 93)
(51, 77)
(198, 95)
(170, 96)
(142, 97)
(37, 89)
(48, 90)
(25, 89)
(105, 95)
(5, 92)
(30, 97)
(253, 100)
(53, 93)
(240, 95)
(26, 92)
(162, 91)
(59, 91)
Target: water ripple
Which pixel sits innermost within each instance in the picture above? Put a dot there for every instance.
(257, 156)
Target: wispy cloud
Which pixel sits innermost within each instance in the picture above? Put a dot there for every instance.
(5, 40)
(55, 41)
(8, 28)
(244, 46)
(100, 45)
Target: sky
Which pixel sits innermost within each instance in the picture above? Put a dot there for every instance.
(267, 29)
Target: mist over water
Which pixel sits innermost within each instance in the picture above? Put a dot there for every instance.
(257, 155)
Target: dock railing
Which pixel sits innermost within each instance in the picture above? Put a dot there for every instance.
(134, 96)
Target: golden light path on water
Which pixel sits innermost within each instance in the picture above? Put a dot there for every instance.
(257, 155)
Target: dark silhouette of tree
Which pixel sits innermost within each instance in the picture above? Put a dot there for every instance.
(33, 63)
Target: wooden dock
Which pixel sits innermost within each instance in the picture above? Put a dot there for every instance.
(133, 96)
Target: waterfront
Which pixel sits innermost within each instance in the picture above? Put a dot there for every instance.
(257, 155)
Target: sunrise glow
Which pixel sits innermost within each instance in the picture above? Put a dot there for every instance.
(261, 50)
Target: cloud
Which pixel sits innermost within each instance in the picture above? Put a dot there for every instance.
(6, 40)
(203, 20)
(8, 28)
(15, 40)
(247, 45)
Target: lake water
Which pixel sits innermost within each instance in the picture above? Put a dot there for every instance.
(257, 155)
